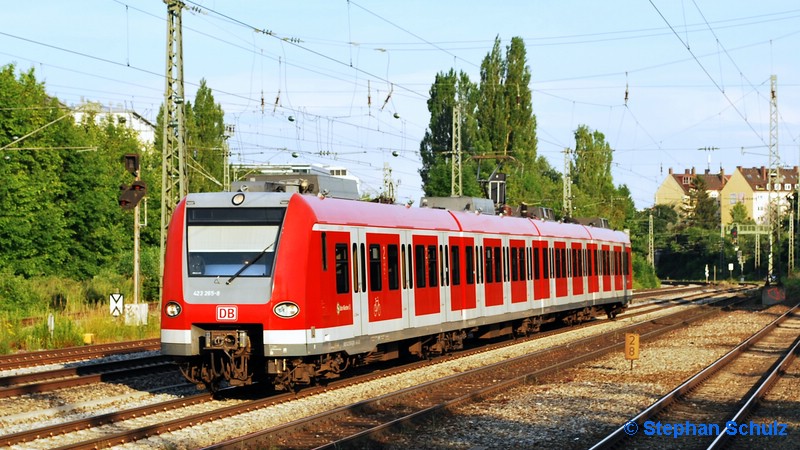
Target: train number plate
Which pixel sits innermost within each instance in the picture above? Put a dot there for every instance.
(227, 313)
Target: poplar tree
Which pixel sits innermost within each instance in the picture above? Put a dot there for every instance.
(448, 91)
(205, 141)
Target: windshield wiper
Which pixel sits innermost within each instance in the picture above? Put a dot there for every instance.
(248, 264)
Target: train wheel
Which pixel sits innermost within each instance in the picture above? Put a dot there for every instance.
(212, 386)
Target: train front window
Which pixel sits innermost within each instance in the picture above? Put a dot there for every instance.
(227, 242)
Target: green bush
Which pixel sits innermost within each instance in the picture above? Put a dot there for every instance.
(66, 333)
(16, 293)
(644, 276)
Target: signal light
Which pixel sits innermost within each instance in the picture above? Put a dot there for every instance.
(131, 161)
(130, 196)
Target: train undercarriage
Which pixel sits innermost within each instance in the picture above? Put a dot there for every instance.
(227, 356)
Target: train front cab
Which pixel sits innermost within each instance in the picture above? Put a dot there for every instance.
(218, 273)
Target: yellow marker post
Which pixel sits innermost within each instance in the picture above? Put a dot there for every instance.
(631, 347)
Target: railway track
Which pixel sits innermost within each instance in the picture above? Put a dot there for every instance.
(166, 425)
(51, 380)
(85, 374)
(361, 424)
(722, 395)
(71, 354)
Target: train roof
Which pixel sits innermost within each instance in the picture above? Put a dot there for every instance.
(348, 212)
(488, 223)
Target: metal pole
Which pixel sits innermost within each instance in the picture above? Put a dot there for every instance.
(136, 251)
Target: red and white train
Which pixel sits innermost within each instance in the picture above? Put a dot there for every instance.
(292, 288)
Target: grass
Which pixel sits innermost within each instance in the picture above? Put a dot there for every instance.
(77, 308)
(68, 329)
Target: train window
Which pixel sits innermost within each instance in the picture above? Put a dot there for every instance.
(221, 242)
(433, 281)
(234, 216)
(576, 272)
(363, 267)
(409, 269)
(598, 260)
(558, 263)
(419, 264)
(444, 273)
(530, 267)
(455, 264)
(514, 264)
(470, 264)
(392, 267)
(587, 262)
(489, 266)
(498, 265)
(355, 268)
(342, 268)
(537, 275)
(324, 251)
(403, 267)
(479, 263)
(626, 263)
(548, 264)
(375, 267)
(506, 264)
(601, 265)
(522, 271)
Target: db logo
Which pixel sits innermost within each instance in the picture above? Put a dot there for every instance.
(227, 313)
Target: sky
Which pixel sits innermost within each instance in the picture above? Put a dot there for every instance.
(670, 84)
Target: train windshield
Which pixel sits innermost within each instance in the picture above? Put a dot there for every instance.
(223, 242)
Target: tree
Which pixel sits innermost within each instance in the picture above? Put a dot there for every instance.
(701, 210)
(100, 229)
(591, 163)
(205, 128)
(447, 91)
(34, 234)
(739, 214)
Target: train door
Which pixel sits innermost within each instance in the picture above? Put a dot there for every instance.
(335, 283)
(628, 269)
(462, 278)
(578, 272)
(518, 271)
(606, 267)
(591, 268)
(618, 269)
(358, 275)
(427, 309)
(384, 301)
(493, 272)
(541, 271)
(560, 262)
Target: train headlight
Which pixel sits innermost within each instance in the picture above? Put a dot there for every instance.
(172, 309)
(238, 198)
(286, 309)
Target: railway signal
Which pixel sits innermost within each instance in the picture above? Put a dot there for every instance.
(130, 196)
(131, 161)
